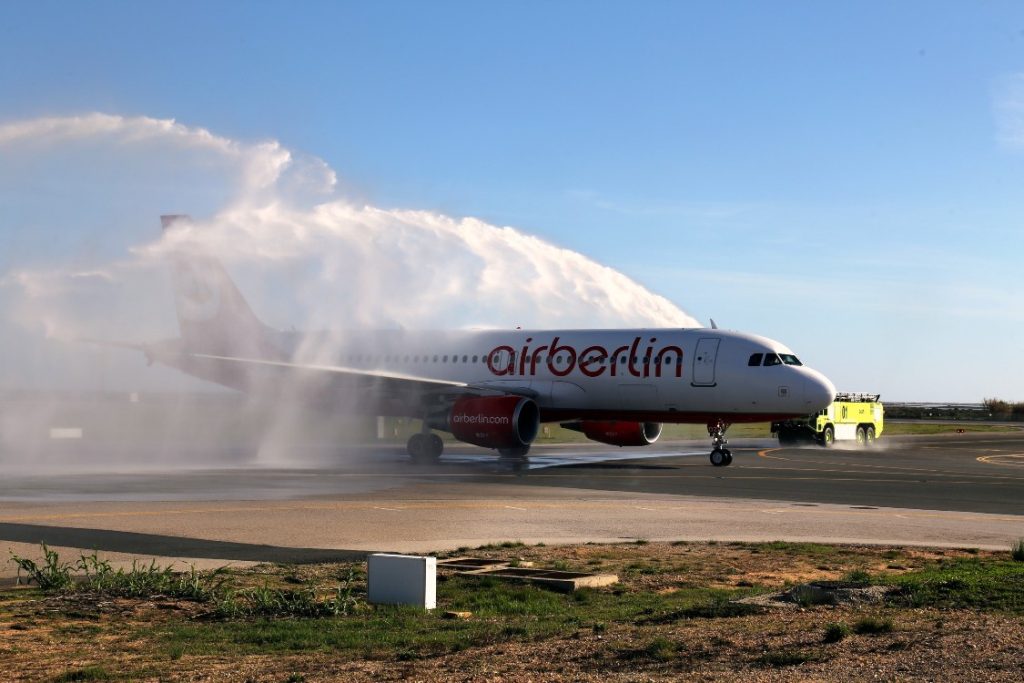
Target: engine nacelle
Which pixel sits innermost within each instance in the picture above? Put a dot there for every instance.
(495, 421)
(618, 433)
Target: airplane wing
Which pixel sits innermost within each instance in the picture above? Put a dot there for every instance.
(375, 391)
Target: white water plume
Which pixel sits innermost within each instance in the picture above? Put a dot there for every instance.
(323, 260)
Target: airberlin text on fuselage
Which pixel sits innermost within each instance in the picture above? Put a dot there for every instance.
(591, 361)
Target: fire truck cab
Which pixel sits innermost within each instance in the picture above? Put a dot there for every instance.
(851, 417)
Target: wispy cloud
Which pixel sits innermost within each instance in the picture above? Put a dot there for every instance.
(1008, 106)
(682, 209)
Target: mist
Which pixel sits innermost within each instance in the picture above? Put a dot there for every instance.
(87, 259)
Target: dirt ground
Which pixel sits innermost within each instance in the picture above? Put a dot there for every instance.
(74, 637)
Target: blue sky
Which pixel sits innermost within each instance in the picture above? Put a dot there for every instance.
(842, 177)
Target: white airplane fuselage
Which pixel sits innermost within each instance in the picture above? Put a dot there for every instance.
(662, 375)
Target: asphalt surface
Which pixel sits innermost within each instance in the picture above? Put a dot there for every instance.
(959, 490)
(961, 472)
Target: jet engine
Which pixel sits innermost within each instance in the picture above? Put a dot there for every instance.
(495, 421)
(618, 433)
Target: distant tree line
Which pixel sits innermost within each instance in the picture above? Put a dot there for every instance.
(1003, 410)
(989, 409)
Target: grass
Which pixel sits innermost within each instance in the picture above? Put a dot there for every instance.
(964, 583)
(897, 428)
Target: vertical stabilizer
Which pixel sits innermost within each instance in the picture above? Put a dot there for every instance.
(213, 315)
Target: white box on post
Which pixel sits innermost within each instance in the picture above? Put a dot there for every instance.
(402, 580)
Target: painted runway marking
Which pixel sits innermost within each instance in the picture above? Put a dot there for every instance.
(513, 507)
(1014, 459)
(389, 509)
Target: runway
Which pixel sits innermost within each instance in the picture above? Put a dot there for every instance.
(962, 490)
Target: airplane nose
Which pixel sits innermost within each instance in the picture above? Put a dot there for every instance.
(819, 392)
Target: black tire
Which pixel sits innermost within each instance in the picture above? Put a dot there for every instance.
(869, 436)
(514, 453)
(828, 436)
(435, 446)
(861, 437)
(415, 446)
(718, 458)
(728, 457)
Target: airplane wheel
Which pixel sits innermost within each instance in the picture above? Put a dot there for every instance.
(828, 437)
(435, 446)
(416, 445)
(424, 448)
(718, 458)
(869, 437)
(728, 457)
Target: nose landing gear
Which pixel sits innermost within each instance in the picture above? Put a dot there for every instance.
(720, 455)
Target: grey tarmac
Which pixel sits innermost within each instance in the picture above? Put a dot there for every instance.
(959, 490)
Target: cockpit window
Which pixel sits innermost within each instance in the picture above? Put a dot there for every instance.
(772, 359)
(755, 359)
(790, 359)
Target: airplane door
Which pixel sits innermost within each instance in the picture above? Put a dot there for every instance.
(704, 362)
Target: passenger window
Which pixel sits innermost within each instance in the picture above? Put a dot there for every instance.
(465, 358)
(435, 359)
(474, 359)
(755, 359)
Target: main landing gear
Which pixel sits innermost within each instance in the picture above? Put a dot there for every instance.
(720, 455)
(425, 447)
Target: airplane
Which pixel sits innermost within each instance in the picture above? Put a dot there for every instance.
(490, 388)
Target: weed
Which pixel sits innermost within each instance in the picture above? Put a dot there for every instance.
(873, 626)
(641, 541)
(857, 576)
(835, 631)
(661, 649)
(89, 673)
(53, 574)
(1017, 551)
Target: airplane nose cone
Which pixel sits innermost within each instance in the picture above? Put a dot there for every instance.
(819, 392)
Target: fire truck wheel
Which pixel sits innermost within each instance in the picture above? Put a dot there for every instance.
(861, 437)
(828, 437)
(869, 437)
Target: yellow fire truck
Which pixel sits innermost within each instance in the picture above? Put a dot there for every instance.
(851, 417)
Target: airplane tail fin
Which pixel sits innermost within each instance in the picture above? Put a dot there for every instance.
(213, 316)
